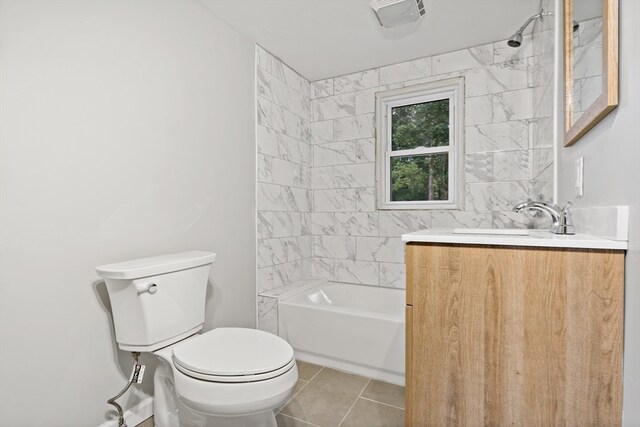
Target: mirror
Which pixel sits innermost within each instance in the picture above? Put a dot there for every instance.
(591, 64)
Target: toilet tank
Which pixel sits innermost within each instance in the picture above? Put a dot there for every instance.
(157, 301)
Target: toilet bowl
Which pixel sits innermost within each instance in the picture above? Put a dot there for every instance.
(224, 377)
(231, 371)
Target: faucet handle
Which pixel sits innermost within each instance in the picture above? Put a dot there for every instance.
(566, 220)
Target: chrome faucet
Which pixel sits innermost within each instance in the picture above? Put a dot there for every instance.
(561, 217)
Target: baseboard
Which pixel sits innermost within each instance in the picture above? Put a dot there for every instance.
(396, 378)
(135, 415)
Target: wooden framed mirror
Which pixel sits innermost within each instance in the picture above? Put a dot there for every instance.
(591, 64)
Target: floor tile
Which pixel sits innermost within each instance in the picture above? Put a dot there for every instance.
(146, 423)
(286, 421)
(296, 388)
(306, 371)
(327, 398)
(390, 394)
(300, 385)
(366, 413)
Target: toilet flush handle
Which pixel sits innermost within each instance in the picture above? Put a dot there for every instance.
(152, 288)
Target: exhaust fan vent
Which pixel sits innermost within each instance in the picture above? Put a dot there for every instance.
(392, 13)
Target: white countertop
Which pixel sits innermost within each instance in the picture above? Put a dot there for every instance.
(535, 238)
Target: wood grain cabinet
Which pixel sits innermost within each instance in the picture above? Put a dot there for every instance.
(513, 336)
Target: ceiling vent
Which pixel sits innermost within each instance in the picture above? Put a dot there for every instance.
(392, 13)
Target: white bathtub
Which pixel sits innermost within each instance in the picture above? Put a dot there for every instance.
(354, 328)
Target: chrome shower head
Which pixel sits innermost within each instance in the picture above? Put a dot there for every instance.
(515, 40)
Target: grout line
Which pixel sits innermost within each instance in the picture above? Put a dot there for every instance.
(271, 156)
(298, 392)
(292, 397)
(295, 186)
(316, 374)
(298, 419)
(306, 383)
(382, 403)
(354, 402)
(286, 108)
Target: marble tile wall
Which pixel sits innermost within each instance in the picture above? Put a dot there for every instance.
(587, 67)
(541, 65)
(284, 153)
(316, 207)
(508, 149)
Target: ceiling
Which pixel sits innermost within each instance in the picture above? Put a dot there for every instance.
(327, 38)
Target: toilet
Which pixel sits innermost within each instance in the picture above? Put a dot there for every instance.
(226, 377)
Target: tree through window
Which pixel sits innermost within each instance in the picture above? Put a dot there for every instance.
(418, 129)
(420, 177)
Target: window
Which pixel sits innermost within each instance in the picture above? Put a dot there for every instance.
(419, 146)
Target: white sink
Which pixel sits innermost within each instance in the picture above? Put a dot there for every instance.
(511, 237)
(493, 231)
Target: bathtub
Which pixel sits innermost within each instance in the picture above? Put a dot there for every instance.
(353, 328)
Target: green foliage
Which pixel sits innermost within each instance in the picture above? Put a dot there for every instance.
(420, 177)
(420, 125)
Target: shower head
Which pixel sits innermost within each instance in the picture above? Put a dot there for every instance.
(516, 39)
(576, 25)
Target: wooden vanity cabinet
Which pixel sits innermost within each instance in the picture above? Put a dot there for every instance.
(513, 336)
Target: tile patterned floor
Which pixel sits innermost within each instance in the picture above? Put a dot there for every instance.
(325, 397)
(146, 423)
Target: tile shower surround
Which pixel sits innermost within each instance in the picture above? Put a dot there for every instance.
(587, 69)
(317, 215)
(284, 164)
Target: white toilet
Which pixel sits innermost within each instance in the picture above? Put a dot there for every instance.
(224, 377)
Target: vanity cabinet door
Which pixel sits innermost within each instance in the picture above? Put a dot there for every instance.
(513, 336)
(408, 405)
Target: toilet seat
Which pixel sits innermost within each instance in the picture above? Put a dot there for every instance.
(233, 355)
(237, 378)
(238, 353)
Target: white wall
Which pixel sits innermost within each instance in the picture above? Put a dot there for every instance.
(127, 131)
(612, 177)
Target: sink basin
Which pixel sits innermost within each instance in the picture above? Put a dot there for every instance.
(493, 231)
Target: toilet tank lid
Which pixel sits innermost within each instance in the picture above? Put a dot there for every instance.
(153, 266)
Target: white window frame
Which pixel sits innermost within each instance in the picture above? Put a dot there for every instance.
(451, 89)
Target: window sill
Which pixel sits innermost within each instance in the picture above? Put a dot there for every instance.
(417, 206)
